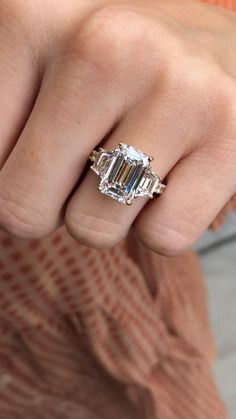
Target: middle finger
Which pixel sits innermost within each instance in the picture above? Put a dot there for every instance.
(71, 115)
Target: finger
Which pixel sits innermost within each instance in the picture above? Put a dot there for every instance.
(197, 191)
(71, 115)
(99, 221)
(19, 79)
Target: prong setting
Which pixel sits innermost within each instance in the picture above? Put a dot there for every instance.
(126, 173)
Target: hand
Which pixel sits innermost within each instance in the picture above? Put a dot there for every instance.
(156, 74)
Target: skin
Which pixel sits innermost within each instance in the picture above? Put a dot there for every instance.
(156, 74)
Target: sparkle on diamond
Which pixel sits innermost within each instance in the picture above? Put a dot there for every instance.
(124, 174)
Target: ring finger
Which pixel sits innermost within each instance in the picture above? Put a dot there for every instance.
(98, 221)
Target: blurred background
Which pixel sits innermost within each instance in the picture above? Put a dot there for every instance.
(218, 255)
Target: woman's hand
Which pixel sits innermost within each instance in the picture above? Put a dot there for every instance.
(156, 74)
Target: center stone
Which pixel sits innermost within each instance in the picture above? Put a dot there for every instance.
(125, 173)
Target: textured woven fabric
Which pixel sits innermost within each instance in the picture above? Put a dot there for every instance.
(121, 333)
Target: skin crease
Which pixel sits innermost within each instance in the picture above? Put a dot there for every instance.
(157, 74)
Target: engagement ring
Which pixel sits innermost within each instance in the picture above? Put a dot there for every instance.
(126, 173)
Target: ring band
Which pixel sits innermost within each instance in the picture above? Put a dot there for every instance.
(126, 173)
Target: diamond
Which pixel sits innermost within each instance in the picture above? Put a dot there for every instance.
(125, 173)
(149, 184)
(121, 172)
(101, 162)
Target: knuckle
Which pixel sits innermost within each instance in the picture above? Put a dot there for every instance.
(92, 231)
(14, 13)
(218, 94)
(227, 98)
(209, 93)
(9, 11)
(221, 90)
(164, 240)
(21, 220)
(109, 38)
(17, 21)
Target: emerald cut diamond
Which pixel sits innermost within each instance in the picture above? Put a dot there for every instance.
(125, 173)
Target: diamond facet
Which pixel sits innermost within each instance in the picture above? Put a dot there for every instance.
(135, 154)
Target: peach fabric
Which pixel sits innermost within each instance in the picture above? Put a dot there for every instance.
(121, 333)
